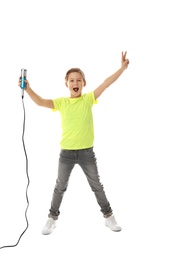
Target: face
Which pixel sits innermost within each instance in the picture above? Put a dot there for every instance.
(75, 84)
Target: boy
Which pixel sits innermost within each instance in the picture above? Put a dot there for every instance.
(77, 140)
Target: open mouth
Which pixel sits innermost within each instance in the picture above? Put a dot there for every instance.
(76, 89)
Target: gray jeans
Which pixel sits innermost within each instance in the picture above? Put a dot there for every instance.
(87, 161)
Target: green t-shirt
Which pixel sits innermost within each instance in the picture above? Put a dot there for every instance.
(76, 121)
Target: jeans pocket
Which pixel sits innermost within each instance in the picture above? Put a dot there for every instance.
(89, 150)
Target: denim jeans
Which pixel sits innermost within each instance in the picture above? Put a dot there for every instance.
(86, 159)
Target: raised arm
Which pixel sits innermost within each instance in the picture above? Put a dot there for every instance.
(124, 64)
(36, 98)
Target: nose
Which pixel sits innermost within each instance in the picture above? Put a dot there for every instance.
(75, 83)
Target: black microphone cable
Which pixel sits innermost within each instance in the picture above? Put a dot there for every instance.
(23, 141)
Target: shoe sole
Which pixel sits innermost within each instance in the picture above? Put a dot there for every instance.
(115, 230)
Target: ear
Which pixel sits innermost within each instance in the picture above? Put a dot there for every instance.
(66, 84)
(84, 83)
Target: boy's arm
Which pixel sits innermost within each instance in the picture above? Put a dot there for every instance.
(124, 64)
(36, 98)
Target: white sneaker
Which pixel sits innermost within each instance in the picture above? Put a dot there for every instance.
(111, 223)
(48, 228)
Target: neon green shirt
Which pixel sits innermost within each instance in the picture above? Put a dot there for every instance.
(76, 120)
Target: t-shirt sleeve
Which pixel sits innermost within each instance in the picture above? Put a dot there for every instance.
(91, 98)
(57, 103)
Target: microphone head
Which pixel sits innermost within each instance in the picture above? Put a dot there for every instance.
(23, 73)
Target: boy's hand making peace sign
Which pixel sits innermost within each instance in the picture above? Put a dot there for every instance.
(124, 61)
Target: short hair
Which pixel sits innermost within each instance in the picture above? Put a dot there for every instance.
(75, 70)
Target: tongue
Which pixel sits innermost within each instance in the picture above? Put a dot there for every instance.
(75, 89)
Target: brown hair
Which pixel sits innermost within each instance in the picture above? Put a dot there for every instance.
(75, 70)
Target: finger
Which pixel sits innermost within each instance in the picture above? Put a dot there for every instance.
(122, 56)
(125, 55)
(127, 63)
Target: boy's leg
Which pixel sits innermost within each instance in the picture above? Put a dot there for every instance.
(87, 161)
(66, 164)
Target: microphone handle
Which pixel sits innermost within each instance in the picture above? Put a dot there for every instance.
(22, 94)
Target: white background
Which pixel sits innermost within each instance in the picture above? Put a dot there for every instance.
(133, 127)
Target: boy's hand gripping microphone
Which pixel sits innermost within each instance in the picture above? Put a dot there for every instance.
(23, 78)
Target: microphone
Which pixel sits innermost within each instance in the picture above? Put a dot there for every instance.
(23, 78)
